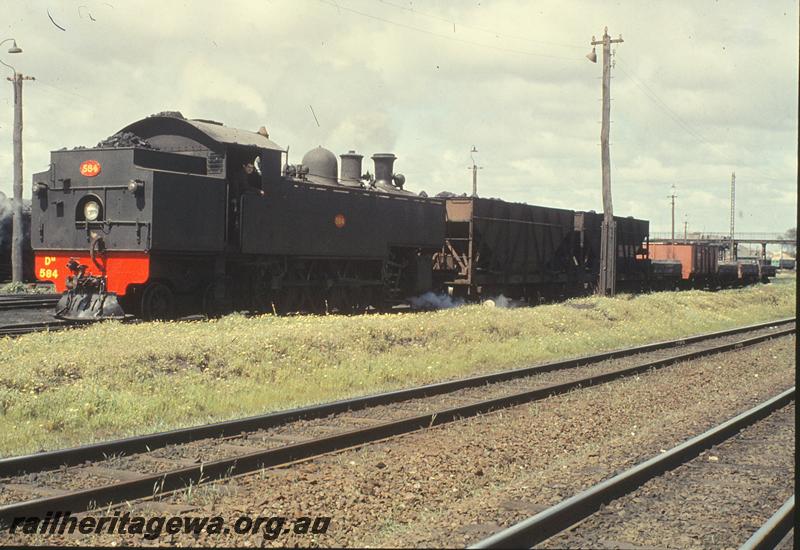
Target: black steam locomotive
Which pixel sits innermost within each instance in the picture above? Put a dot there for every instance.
(176, 215)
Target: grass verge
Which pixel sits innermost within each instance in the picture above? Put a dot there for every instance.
(112, 380)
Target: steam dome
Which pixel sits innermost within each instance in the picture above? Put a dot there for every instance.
(322, 166)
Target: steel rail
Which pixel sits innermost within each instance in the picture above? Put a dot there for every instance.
(28, 328)
(144, 443)
(151, 485)
(32, 296)
(15, 301)
(774, 530)
(556, 519)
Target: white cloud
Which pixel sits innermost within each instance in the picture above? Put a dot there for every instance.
(700, 89)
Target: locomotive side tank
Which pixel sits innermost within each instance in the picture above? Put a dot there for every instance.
(306, 219)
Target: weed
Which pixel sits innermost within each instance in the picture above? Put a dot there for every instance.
(112, 380)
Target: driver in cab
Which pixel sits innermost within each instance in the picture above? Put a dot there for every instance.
(243, 182)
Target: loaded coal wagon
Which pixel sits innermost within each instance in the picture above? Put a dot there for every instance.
(530, 252)
(495, 247)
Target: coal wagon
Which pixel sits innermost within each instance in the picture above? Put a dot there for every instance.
(531, 253)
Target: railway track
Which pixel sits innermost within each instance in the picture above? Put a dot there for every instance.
(591, 518)
(776, 532)
(28, 301)
(139, 467)
(20, 329)
(23, 314)
(28, 324)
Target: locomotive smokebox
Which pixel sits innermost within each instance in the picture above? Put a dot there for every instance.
(351, 169)
(322, 166)
(384, 169)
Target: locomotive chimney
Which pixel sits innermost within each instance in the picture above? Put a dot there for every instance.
(384, 165)
(351, 168)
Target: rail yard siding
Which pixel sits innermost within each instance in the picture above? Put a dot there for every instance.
(112, 380)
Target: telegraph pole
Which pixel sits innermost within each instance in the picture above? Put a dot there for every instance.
(608, 247)
(17, 231)
(733, 212)
(475, 169)
(685, 230)
(16, 227)
(673, 196)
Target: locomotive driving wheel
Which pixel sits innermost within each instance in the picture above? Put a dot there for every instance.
(158, 302)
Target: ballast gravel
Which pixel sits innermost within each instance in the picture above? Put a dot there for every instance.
(716, 500)
(456, 484)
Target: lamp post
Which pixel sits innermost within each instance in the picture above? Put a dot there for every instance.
(17, 232)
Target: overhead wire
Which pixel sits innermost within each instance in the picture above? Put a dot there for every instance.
(41, 82)
(645, 89)
(444, 36)
(481, 29)
(661, 104)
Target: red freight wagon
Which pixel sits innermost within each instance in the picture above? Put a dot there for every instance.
(698, 261)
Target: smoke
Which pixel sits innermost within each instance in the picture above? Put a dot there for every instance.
(5, 221)
(6, 233)
(501, 301)
(367, 131)
(431, 300)
(7, 217)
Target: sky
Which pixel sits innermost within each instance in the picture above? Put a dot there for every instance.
(700, 89)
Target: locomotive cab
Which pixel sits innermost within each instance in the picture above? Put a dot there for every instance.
(250, 171)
